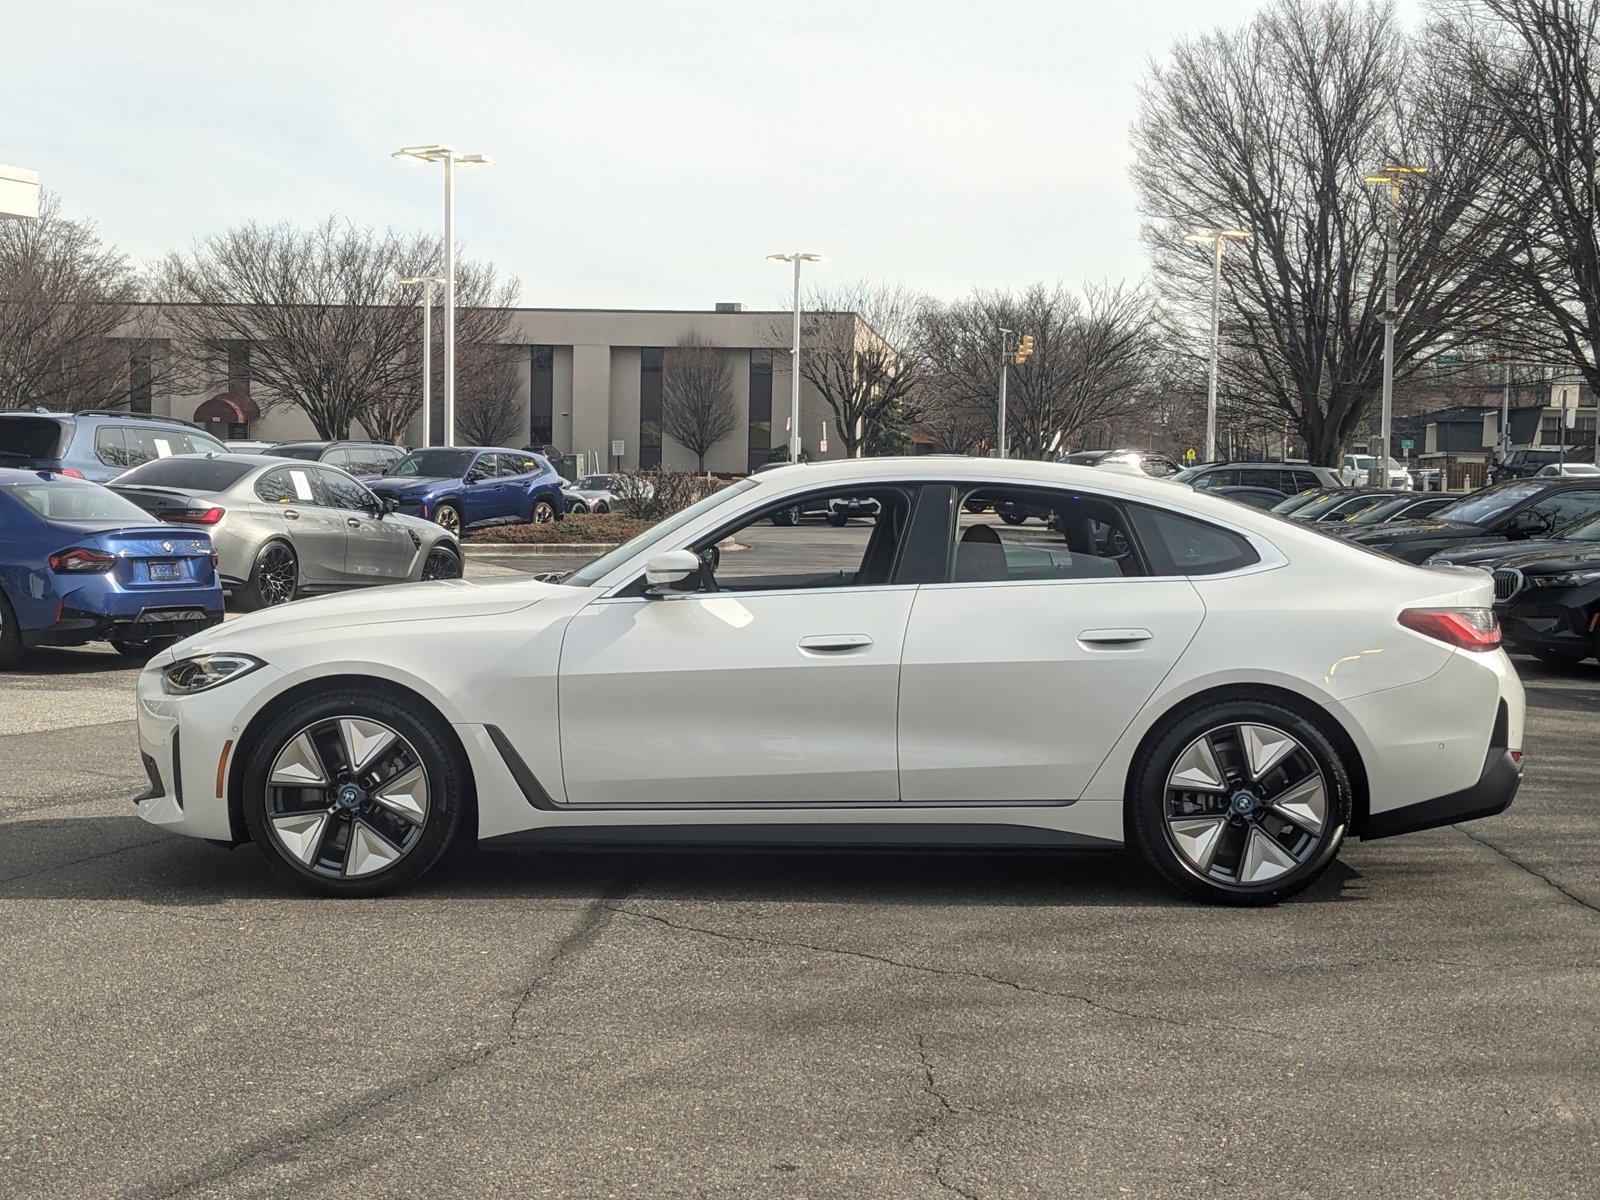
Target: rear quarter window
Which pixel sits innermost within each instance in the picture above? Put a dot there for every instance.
(1180, 545)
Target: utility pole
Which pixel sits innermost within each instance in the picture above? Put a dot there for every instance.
(796, 258)
(1005, 371)
(1389, 177)
(1215, 238)
(427, 283)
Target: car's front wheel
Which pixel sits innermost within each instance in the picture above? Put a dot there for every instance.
(1242, 802)
(355, 793)
(441, 563)
(543, 512)
(448, 516)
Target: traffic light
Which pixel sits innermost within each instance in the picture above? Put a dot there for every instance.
(1494, 364)
(1024, 350)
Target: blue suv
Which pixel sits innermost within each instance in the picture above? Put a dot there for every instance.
(78, 563)
(97, 445)
(463, 486)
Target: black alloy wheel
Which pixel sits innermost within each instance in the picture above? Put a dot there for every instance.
(441, 563)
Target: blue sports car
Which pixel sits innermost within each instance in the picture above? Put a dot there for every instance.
(78, 563)
(463, 486)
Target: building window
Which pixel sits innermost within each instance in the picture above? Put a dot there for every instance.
(139, 376)
(239, 368)
(650, 407)
(760, 408)
(541, 396)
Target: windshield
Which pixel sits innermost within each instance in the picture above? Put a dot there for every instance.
(1484, 506)
(311, 453)
(595, 483)
(77, 502)
(1381, 512)
(194, 473)
(598, 569)
(1296, 502)
(445, 464)
(1322, 504)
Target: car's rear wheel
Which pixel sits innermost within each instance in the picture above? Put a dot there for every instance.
(10, 634)
(1012, 518)
(786, 516)
(449, 517)
(837, 520)
(274, 578)
(543, 512)
(1242, 802)
(601, 507)
(356, 793)
(441, 563)
(140, 649)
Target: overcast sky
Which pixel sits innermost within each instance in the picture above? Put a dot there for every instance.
(647, 154)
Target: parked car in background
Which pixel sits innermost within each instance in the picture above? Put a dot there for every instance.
(79, 564)
(1402, 506)
(1119, 684)
(463, 486)
(1151, 462)
(1513, 511)
(285, 528)
(1255, 497)
(1522, 464)
(573, 498)
(596, 492)
(1340, 506)
(1298, 501)
(1287, 478)
(1571, 470)
(98, 444)
(244, 447)
(835, 511)
(361, 459)
(1357, 469)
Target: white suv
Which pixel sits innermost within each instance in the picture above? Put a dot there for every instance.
(1357, 468)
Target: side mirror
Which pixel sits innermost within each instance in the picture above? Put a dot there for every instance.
(387, 505)
(669, 571)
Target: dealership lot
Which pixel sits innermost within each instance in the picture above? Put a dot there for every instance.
(749, 1024)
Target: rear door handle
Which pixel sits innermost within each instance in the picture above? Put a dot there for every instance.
(835, 643)
(1114, 637)
(289, 514)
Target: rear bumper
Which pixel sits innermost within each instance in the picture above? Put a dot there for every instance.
(1492, 794)
(156, 621)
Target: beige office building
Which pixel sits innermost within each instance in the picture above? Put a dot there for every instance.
(589, 381)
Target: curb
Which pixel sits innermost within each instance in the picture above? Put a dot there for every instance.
(499, 550)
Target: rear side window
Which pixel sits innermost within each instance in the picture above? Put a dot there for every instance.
(193, 472)
(110, 447)
(1008, 534)
(287, 485)
(1179, 545)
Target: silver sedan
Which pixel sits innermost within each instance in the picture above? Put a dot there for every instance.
(284, 528)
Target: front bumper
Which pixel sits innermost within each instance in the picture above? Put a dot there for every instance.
(1492, 794)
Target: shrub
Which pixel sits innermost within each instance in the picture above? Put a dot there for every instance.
(656, 494)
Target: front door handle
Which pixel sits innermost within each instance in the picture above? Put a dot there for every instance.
(1114, 637)
(835, 643)
(352, 522)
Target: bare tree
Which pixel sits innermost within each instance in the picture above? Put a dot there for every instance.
(1273, 127)
(1091, 356)
(1533, 72)
(65, 335)
(328, 327)
(697, 408)
(866, 370)
(488, 409)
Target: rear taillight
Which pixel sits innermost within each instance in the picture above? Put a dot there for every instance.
(191, 516)
(69, 472)
(79, 561)
(1464, 628)
(214, 560)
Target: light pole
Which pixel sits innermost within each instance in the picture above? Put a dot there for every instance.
(449, 157)
(796, 258)
(427, 283)
(1215, 238)
(1005, 371)
(1391, 178)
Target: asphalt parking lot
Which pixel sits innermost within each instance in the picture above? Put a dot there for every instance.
(1425, 1021)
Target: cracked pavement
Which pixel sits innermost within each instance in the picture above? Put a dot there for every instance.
(1425, 1022)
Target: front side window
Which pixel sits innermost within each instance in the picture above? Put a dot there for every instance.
(486, 466)
(1040, 535)
(344, 492)
(1180, 545)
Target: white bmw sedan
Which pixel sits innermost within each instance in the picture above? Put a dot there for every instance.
(1231, 692)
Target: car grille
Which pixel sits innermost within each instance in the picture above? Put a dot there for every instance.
(1507, 583)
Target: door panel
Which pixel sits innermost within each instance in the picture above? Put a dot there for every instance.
(374, 549)
(317, 531)
(1016, 691)
(734, 698)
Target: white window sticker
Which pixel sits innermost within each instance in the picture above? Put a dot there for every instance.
(163, 448)
(302, 485)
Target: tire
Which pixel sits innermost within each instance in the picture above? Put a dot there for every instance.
(1202, 839)
(1012, 518)
(274, 578)
(576, 508)
(355, 844)
(10, 634)
(542, 512)
(976, 506)
(786, 516)
(141, 649)
(448, 516)
(838, 520)
(601, 507)
(441, 563)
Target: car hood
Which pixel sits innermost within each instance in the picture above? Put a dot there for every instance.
(1490, 552)
(1401, 531)
(436, 600)
(1558, 556)
(388, 485)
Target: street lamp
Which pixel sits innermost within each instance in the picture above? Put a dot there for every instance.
(449, 157)
(796, 258)
(427, 283)
(1215, 238)
(1391, 178)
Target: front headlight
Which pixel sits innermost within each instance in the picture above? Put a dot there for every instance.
(1565, 579)
(204, 672)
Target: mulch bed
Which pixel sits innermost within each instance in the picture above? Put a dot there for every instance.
(586, 527)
